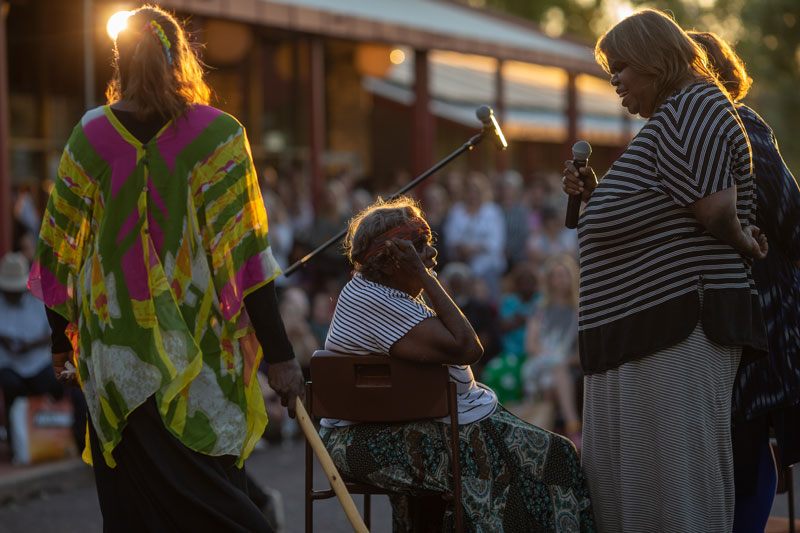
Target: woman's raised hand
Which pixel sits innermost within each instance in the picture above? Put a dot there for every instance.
(406, 257)
(578, 181)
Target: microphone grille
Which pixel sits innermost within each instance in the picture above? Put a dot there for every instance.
(483, 113)
(581, 151)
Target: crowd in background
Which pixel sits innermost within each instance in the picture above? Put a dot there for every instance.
(504, 256)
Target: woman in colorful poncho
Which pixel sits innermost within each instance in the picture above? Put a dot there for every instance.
(154, 260)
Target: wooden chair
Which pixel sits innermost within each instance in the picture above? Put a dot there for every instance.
(374, 388)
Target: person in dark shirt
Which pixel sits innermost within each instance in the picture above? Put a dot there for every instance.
(767, 392)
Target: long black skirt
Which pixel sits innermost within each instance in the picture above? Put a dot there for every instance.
(160, 485)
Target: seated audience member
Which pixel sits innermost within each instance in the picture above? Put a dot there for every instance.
(503, 373)
(516, 477)
(516, 215)
(281, 234)
(24, 241)
(322, 306)
(552, 238)
(551, 342)
(517, 306)
(436, 202)
(330, 218)
(25, 362)
(294, 311)
(471, 295)
(476, 233)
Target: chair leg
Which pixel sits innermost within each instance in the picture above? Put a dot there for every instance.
(790, 492)
(367, 511)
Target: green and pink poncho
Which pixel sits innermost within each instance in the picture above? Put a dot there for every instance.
(148, 251)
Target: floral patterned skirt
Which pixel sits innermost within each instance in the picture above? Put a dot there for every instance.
(515, 476)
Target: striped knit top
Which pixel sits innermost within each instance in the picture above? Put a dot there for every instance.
(644, 256)
(370, 317)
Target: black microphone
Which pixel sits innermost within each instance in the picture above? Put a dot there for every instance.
(580, 157)
(486, 115)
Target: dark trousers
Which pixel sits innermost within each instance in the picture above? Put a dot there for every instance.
(160, 485)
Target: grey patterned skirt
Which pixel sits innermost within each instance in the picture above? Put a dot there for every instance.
(515, 476)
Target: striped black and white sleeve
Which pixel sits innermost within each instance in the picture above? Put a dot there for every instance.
(695, 145)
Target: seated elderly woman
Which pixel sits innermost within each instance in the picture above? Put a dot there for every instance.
(516, 477)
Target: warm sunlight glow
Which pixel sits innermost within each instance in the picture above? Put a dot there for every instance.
(616, 10)
(499, 131)
(397, 56)
(117, 23)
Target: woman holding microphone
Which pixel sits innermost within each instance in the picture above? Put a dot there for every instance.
(668, 307)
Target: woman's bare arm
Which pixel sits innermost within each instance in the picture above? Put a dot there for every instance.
(717, 213)
(447, 338)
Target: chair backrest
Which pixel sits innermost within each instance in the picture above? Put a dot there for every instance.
(375, 388)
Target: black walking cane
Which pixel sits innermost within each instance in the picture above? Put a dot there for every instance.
(490, 127)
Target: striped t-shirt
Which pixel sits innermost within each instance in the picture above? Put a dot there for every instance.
(643, 254)
(371, 317)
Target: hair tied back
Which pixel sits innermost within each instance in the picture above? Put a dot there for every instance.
(158, 32)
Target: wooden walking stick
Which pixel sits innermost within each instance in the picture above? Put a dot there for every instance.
(326, 462)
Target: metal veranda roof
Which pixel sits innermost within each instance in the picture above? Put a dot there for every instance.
(421, 24)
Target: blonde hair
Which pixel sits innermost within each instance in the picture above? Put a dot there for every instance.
(728, 66)
(159, 83)
(570, 265)
(373, 221)
(653, 44)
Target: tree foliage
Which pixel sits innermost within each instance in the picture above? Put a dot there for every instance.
(766, 34)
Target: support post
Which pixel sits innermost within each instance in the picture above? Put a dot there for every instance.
(88, 55)
(424, 128)
(316, 117)
(6, 217)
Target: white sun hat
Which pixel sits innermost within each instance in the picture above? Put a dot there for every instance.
(14, 272)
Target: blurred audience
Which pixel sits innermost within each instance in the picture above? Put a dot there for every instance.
(551, 342)
(332, 216)
(516, 215)
(435, 205)
(281, 233)
(470, 294)
(517, 307)
(25, 361)
(322, 306)
(295, 309)
(476, 233)
(553, 238)
(489, 257)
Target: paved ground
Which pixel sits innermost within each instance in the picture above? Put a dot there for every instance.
(279, 466)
